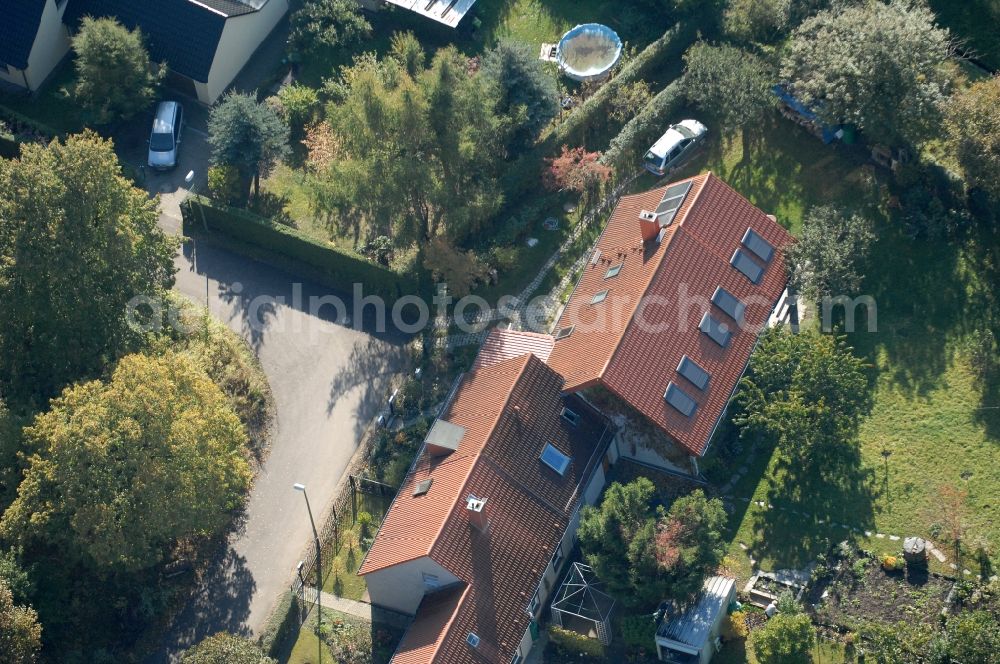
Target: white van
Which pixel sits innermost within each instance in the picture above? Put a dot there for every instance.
(165, 139)
(671, 148)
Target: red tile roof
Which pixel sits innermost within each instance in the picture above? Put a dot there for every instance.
(636, 356)
(503, 345)
(511, 410)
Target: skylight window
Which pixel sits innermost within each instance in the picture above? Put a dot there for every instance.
(555, 459)
(758, 245)
(729, 303)
(742, 262)
(423, 486)
(614, 270)
(714, 330)
(472, 639)
(599, 297)
(680, 400)
(693, 372)
(564, 332)
(570, 416)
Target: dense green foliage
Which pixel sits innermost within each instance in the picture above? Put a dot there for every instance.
(526, 90)
(806, 390)
(643, 555)
(247, 134)
(877, 65)
(967, 636)
(20, 633)
(114, 76)
(574, 646)
(120, 470)
(829, 257)
(733, 84)
(784, 639)
(225, 648)
(974, 130)
(320, 260)
(77, 242)
(627, 148)
(419, 149)
(320, 24)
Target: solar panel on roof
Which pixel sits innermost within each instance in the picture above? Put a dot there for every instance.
(758, 245)
(671, 202)
(714, 330)
(693, 372)
(742, 262)
(680, 400)
(732, 305)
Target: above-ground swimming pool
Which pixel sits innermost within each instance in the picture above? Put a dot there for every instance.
(588, 52)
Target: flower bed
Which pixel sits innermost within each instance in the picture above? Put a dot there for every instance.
(859, 590)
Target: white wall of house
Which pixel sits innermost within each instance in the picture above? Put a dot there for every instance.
(51, 45)
(401, 587)
(240, 39)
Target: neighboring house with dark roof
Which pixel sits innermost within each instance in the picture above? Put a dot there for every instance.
(33, 40)
(487, 514)
(668, 310)
(205, 43)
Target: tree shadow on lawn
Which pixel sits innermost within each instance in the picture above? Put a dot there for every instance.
(921, 300)
(814, 505)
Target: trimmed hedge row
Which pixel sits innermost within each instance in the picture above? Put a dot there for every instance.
(333, 266)
(670, 45)
(282, 624)
(640, 132)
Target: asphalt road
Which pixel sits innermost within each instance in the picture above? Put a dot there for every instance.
(328, 380)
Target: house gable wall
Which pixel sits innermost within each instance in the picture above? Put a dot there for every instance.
(401, 587)
(50, 47)
(241, 37)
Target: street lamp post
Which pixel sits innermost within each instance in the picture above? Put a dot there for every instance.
(319, 568)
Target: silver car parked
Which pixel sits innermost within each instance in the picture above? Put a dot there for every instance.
(165, 139)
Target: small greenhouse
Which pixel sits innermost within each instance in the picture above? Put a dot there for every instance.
(580, 605)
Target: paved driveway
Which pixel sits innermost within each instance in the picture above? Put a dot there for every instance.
(328, 381)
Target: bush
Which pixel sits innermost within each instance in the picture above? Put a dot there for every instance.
(567, 643)
(892, 563)
(300, 105)
(365, 521)
(735, 626)
(325, 262)
(634, 139)
(224, 184)
(638, 632)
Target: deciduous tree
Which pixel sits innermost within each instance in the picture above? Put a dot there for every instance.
(460, 270)
(828, 259)
(77, 242)
(973, 122)
(689, 544)
(114, 76)
(418, 156)
(784, 639)
(20, 633)
(247, 134)
(226, 648)
(881, 66)
(732, 83)
(575, 170)
(119, 470)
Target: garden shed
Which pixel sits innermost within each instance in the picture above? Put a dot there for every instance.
(692, 636)
(580, 605)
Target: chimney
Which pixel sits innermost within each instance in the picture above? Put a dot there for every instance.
(476, 509)
(649, 225)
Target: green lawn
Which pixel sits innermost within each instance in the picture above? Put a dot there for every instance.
(739, 652)
(346, 634)
(941, 425)
(53, 106)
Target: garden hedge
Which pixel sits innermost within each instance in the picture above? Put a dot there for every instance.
(670, 45)
(282, 624)
(16, 118)
(640, 132)
(333, 266)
